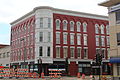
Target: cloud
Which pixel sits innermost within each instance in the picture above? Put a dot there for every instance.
(13, 9)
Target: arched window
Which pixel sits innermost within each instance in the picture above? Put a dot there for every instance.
(78, 26)
(107, 29)
(96, 28)
(57, 24)
(102, 29)
(84, 27)
(71, 26)
(65, 24)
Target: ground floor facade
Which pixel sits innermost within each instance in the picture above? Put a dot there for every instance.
(115, 61)
(69, 67)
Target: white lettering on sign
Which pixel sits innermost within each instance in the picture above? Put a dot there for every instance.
(114, 8)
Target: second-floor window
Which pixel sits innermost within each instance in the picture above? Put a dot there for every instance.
(72, 39)
(102, 41)
(65, 38)
(41, 37)
(85, 52)
(85, 39)
(48, 51)
(49, 36)
(40, 51)
(72, 52)
(57, 52)
(97, 40)
(78, 39)
(108, 41)
(79, 52)
(57, 38)
(65, 51)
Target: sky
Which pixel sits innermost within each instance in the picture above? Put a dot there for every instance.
(11, 10)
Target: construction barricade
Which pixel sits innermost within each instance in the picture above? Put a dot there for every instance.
(17, 73)
(54, 73)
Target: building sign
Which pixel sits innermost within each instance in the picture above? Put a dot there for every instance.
(47, 60)
(114, 8)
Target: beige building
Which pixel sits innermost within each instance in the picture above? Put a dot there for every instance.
(114, 23)
(5, 56)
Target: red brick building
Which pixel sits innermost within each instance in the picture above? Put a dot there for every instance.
(48, 36)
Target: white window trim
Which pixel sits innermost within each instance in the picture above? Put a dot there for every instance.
(80, 52)
(66, 22)
(78, 34)
(65, 33)
(102, 27)
(107, 29)
(67, 50)
(83, 26)
(74, 52)
(60, 51)
(108, 54)
(101, 40)
(73, 39)
(59, 37)
(107, 40)
(87, 38)
(104, 53)
(96, 27)
(59, 22)
(73, 26)
(87, 52)
(79, 26)
(97, 36)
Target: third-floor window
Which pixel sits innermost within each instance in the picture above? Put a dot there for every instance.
(41, 22)
(71, 26)
(41, 37)
(65, 25)
(57, 24)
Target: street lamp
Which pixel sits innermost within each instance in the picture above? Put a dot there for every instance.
(24, 52)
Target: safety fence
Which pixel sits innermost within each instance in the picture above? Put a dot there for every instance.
(55, 73)
(18, 73)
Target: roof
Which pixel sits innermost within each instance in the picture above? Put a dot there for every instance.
(3, 45)
(55, 9)
(109, 3)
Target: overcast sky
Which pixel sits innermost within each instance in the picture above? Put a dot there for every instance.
(10, 10)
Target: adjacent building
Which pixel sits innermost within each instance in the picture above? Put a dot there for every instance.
(5, 55)
(114, 20)
(46, 38)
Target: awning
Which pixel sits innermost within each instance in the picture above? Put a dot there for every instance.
(115, 60)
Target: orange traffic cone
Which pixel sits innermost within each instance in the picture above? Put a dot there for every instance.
(42, 75)
(83, 76)
(78, 74)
